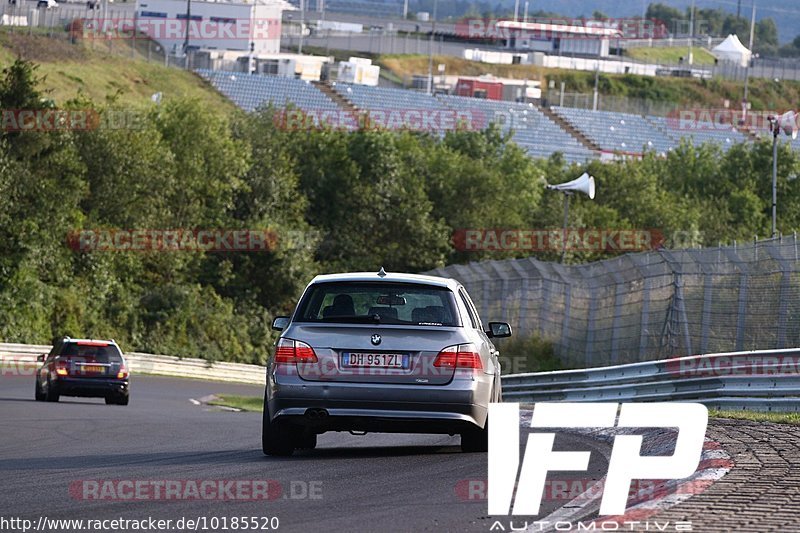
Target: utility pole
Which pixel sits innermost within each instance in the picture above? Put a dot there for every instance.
(186, 40)
(430, 48)
(747, 68)
(302, 25)
(691, 34)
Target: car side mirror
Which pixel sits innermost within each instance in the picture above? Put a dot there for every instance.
(41, 357)
(499, 330)
(279, 323)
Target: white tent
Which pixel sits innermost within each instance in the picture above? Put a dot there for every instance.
(732, 50)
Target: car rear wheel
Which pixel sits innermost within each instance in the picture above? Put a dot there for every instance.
(276, 437)
(118, 399)
(52, 392)
(39, 395)
(306, 441)
(476, 440)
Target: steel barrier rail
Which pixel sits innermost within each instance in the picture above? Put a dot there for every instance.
(765, 380)
(164, 365)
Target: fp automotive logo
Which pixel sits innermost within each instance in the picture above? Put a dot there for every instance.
(625, 464)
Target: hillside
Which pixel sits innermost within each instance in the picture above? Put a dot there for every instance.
(101, 72)
(764, 94)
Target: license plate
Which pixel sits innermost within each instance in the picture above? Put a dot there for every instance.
(375, 360)
(93, 369)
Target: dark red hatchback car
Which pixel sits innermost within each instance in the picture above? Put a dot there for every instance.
(83, 367)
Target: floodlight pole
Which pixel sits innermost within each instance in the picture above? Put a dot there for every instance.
(567, 194)
(186, 40)
(775, 131)
(430, 47)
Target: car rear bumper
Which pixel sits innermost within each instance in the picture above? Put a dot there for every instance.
(91, 387)
(458, 406)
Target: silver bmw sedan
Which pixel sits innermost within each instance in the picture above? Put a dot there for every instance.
(367, 352)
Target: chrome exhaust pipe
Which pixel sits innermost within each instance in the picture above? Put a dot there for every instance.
(316, 413)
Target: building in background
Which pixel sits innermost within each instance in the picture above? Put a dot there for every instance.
(253, 26)
(359, 70)
(558, 39)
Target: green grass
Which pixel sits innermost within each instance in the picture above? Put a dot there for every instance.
(671, 55)
(780, 418)
(118, 69)
(245, 403)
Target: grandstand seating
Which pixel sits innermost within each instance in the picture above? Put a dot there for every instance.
(251, 91)
(617, 132)
(533, 130)
(699, 132)
(373, 98)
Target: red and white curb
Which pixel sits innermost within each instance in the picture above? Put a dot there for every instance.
(714, 464)
(646, 502)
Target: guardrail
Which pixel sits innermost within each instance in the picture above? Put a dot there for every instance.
(767, 380)
(164, 365)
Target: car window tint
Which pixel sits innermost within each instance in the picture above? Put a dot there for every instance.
(96, 353)
(470, 311)
(392, 303)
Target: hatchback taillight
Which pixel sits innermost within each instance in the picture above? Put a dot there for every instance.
(292, 351)
(459, 356)
(62, 368)
(123, 372)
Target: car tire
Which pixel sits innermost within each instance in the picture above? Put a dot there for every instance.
(118, 399)
(476, 440)
(39, 395)
(306, 441)
(276, 438)
(52, 392)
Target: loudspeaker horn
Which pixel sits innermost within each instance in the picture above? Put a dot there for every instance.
(788, 123)
(584, 184)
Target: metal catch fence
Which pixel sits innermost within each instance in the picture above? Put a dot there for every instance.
(647, 306)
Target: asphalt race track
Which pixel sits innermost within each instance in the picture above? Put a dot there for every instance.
(377, 482)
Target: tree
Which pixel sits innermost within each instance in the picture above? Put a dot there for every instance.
(669, 16)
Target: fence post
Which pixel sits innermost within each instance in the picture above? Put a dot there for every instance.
(523, 295)
(705, 323)
(783, 297)
(619, 294)
(733, 257)
(645, 320)
(565, 322)
(590, 325)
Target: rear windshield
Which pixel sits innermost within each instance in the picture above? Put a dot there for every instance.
(93, 352)
(378, 303)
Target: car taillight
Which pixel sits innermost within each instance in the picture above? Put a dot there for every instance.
(292, 351)
(459, 356)
(123, 372)
(62, 368)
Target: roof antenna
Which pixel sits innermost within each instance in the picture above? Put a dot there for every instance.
(382, 273)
